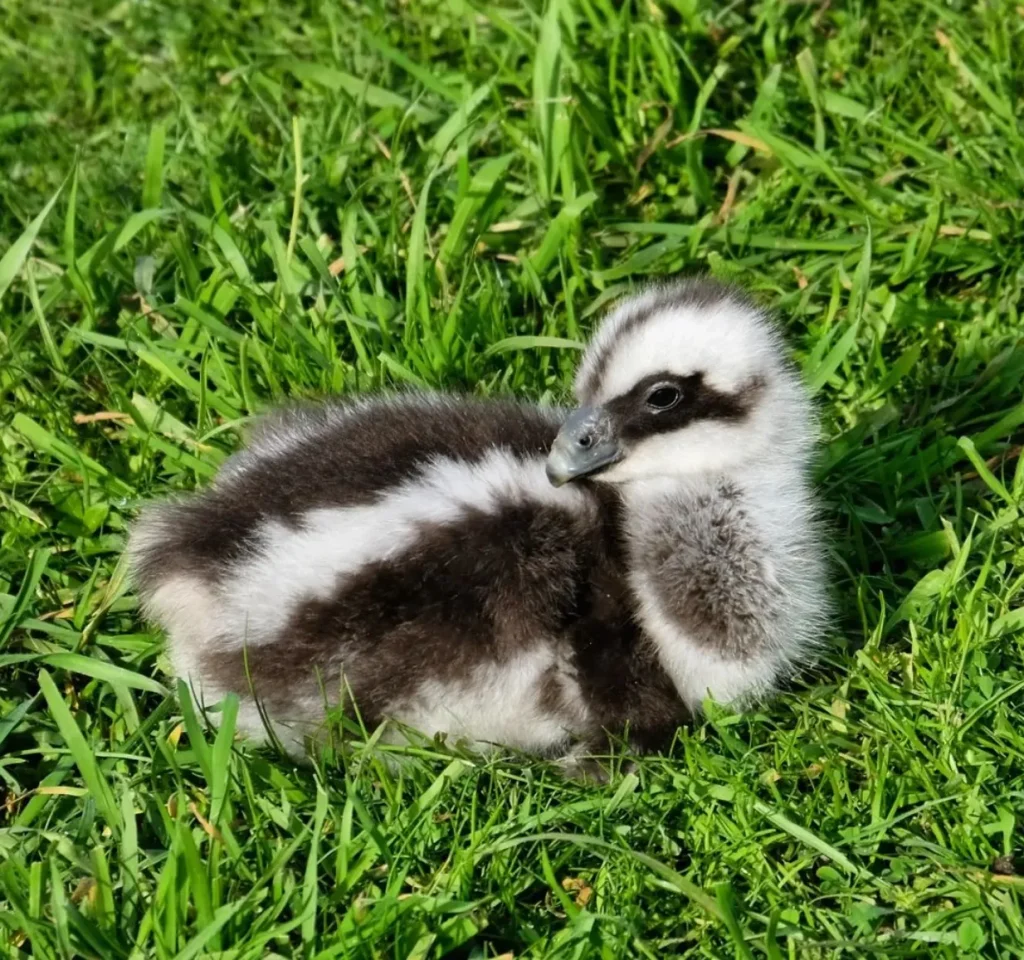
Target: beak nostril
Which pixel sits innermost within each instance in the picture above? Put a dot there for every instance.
(586, 441)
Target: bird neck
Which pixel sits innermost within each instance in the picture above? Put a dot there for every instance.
(654, 493)
(704, 554)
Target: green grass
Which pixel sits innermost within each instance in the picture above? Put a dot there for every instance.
(236, 202)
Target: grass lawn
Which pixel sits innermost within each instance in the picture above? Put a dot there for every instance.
(210, 205)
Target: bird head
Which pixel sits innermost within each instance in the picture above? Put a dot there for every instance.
(680, 379)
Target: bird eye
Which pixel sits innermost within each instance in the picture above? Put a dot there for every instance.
(664, 397)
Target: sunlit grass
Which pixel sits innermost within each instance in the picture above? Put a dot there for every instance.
(207, 207)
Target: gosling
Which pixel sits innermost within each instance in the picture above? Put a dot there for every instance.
(505, 574)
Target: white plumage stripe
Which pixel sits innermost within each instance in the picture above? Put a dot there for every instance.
(290, 564)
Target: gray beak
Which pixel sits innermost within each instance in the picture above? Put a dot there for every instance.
(585, 444)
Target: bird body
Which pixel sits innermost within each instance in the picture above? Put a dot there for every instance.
(506, 574)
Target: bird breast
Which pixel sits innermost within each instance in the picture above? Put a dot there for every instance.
(728, 580)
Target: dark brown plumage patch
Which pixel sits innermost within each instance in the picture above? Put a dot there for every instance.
(622, 682)
(336, 455)
(702, 292)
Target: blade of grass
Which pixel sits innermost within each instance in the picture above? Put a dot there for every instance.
(533, 343)
(357, 89)
(310, 892)
(989, 479)
(14, 258)
(100, 670)
(153, 185)
(38, 561)
(807, 837)
(725, 896)
(81, 752)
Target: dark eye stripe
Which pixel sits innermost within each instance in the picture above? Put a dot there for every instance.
(634, 418)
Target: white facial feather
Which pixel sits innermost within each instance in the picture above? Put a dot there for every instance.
(780, 428)
(727, 341)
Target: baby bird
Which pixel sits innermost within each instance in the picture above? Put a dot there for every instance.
(505, 574)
